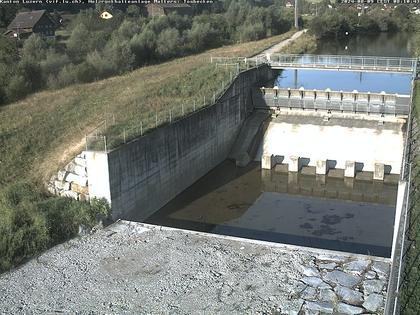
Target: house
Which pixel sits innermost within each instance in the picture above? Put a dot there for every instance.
(160, 9)
(32, 22)
(290, 4)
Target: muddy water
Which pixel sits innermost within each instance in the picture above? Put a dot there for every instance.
(322, 212)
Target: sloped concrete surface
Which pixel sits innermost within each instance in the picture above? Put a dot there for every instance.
(137, 268)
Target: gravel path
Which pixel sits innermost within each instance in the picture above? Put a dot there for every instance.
(275, 48)
(136, 268)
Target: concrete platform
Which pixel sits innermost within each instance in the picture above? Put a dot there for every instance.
(137, 268)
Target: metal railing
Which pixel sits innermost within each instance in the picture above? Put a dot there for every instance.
(371, 63)
(376, 103)
(109, 134)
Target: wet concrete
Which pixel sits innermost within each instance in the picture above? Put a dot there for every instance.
(321, 212)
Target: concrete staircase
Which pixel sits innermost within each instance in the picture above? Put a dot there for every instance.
(246, 144)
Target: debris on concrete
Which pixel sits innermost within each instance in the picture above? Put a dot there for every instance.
(132, 267)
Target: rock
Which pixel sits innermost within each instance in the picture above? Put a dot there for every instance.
(349, 296)
(327, 266)
(373, 286)
(80, 180)
(342, 278)
(70, 194)
(61, 174)
(51, 189)
(79, 189)
(358, 266)
(327, 295)
(310, 271)
(62, 185)
(373, 302)
(309, 293)
(370, 275)
(80, 161)
(324, 307)
(381, 268)
(349, 309)
(331, 258)
(315, 282)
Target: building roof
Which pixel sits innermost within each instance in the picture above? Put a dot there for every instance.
(171, 5)
(26, 19)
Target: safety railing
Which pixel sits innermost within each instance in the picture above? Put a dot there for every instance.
(373, 63)
(376, 103)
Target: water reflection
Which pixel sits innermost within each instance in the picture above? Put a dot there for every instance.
(323, 212)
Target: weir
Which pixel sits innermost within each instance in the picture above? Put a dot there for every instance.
(301, 166)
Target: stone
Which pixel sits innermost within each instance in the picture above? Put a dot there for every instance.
(349, 296)
(70, 194)
(327, 295)
(349, 309)
(61, 185)
(373, 286)
(370, 275)
(342, 278)
(61, 174)
(373, 302)
(358, 266)
(79, 189)
(80, 180)
(80, 161)
(324, 307)
(327, 266)
(329, 258)
(309, 293)
(315, 282)
(310, 271)
(381, 267)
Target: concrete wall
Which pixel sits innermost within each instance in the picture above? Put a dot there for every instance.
(148, 172)
(336, 141)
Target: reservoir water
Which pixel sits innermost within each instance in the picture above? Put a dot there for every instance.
(352, 215)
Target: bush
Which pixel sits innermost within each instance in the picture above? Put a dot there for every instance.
(168, 43)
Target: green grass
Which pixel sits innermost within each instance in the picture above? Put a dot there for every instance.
(39, 134)
(410, 298)
(305, 44)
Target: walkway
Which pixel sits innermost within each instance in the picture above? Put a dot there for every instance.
(276, 48)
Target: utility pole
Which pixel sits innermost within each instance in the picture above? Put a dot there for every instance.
(296, 15)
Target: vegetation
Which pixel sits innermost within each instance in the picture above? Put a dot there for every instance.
(410, 299)
(346, 21)
(97, 48)
(305, 45)
(31, 223)
(42, 132)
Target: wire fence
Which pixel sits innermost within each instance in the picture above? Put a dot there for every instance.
(110, 133)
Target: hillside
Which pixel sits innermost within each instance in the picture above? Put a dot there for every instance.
(40, 133)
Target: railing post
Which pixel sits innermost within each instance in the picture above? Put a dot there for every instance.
(124, 134)
(86, 142)
(156, 120)
(141, 128)
(105, 144)
(170, 115)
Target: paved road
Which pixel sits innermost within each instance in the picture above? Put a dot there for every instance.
(282, 44)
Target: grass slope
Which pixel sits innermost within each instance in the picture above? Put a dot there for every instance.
(42, 132)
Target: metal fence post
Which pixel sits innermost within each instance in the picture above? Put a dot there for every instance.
(170, 115)
(156, 120)
(124, 135)
(105, 144)
(141, 128)
(194, 106)
(86, 142)
(182, 108)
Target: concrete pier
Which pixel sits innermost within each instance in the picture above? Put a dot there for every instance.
(350, 169)
(294, 163)
(379, 171)
(321, 167)
(267, 162)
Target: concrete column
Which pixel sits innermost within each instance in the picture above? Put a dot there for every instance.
(379, 172)
(321, 167)
(267, 162)
(98, 170)
(350, 169)
(294, 163)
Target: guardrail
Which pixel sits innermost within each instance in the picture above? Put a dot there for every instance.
(378, 103)
(334, 62)
(372, 63)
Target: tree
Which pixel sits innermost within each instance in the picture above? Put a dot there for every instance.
(168, 43)
(34, 48)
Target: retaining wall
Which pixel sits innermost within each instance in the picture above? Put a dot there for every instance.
(140, 177)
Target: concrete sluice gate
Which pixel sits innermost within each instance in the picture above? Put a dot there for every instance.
(269, 168)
